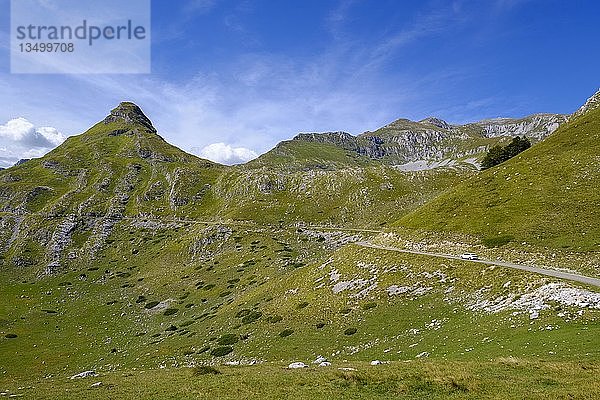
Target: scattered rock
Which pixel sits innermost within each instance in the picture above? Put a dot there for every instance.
(96, 384)
(319, 360)
(84, 374)
(325, 364)
(297, 365)
(376, 362)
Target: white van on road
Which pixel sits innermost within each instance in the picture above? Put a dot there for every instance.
(469, 256)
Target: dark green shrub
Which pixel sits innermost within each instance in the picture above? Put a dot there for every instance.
(345, 311)
(369, 306)
(498, 154)
(151, 304)
(228, 339)
(350, 331)
(286, 332)
(302, 305)
(253, 316)
(170, 311)
(320, 325)
(206, 370)
(221, 351)
(203, 350)
(242, 313)
(275, 318)
(497, 241)
(10, 336)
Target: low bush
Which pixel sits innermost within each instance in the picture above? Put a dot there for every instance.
(302, 305)
(275, 318)
(253, 316)
(369, 306)
(228, 339)
(221, 351)
(286, 332)
(497, 241)
(151, 304)
(206, 370)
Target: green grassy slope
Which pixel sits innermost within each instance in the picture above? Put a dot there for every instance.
(278, 295)
(547, 196)
(167, 262)
(65, 204)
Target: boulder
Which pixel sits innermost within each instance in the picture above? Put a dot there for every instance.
(84, 374)
(319, 360)
(297, 365)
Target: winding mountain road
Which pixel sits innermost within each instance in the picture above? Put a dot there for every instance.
(542, 271)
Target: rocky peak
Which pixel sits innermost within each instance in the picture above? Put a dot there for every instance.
(129, 113)
(342, 139)
(440, 123)
(591, 104)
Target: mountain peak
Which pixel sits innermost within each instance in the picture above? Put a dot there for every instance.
(129, 113)
(591, 104)
(440, 123)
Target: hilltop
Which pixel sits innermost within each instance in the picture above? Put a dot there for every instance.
(546, 196)
(413, 145)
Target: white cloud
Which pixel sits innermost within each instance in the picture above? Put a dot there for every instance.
(255, 100)
(19, 138)
(225, 154)
(21, 131)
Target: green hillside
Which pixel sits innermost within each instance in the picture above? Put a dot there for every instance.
(547, 196)
(170, 276)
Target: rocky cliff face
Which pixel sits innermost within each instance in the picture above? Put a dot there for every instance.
(591, 104)
(536, 127)
(433, 140)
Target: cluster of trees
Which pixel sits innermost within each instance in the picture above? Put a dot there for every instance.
(499, 154)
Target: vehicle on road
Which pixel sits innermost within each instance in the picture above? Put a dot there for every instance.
(469, 256)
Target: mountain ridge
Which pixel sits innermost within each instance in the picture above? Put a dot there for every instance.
(433, 140)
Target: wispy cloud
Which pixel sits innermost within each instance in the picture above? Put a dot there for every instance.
(199, 6)
(257, 99)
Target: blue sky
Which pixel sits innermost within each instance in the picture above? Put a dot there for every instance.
(249, 74)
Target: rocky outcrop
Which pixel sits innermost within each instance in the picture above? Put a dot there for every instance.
(433, 139)
(591, 104)
(537, 127)
(129, 113)
(61, 238)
